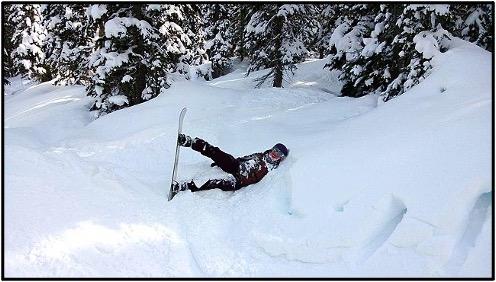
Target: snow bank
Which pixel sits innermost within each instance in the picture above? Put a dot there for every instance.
(400, 189)
(429, 148)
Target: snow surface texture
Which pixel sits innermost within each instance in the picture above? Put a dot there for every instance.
(400, 189)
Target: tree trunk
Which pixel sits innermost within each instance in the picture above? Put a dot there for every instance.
(278, 65)
(277, 76)
(241, 23)
(140, 75)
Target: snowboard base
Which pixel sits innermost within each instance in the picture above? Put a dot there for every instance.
(173, 192)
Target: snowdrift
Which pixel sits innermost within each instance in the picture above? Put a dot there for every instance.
(370, 189)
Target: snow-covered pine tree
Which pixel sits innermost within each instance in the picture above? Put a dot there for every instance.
(219, 35)
(119, 62)
(242, 14)
(386, 61)
(109, 61)
(28, 41)
(406, 64)
(192, 25)
(312, 29)
(362, 59)
(327, 17)
(140, 50)
(355, 22)
(68, 41)
(275, 39)
(9, 68)
(475, 23)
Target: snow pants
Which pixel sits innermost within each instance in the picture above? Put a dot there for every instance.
(223, 160)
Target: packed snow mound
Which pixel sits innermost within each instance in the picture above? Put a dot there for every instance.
(392, 189)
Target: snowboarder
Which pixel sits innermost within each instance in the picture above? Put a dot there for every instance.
(243, 170)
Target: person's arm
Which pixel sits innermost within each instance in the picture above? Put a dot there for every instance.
(248, 157)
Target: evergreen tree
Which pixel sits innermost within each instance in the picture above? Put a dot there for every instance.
(9, 69)
(219, 30)
(28, 41)
(192, 26)
(346, 41)
(140, 50)
(242, 14)
(475, 24)
(327, 17)
(275, 40)
(129, 53)
(359, 57)
(68, 41)
(385, 60)
(405, 65)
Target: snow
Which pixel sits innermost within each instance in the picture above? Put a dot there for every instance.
(118, 100)
(396, 189)
(440, 9)
(17, 84)
(429, 43)
(117, 27)
(126, 78)
(96, 11)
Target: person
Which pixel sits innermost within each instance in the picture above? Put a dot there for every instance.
(243, 171)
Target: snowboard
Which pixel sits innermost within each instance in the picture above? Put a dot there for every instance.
(172, 191)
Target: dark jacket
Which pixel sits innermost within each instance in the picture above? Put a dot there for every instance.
(246, 170)
(252, 169)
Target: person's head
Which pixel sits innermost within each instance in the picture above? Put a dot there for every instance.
(277, 154)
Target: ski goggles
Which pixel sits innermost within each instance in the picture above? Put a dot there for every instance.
(276, 154)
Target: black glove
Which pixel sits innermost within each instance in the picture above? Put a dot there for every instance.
(184, 140)
(213, 164)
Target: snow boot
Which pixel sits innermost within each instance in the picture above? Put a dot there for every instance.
(184, 140)
(178, 187)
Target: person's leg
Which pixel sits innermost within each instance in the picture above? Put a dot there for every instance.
(223, 184)
(222, 159)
